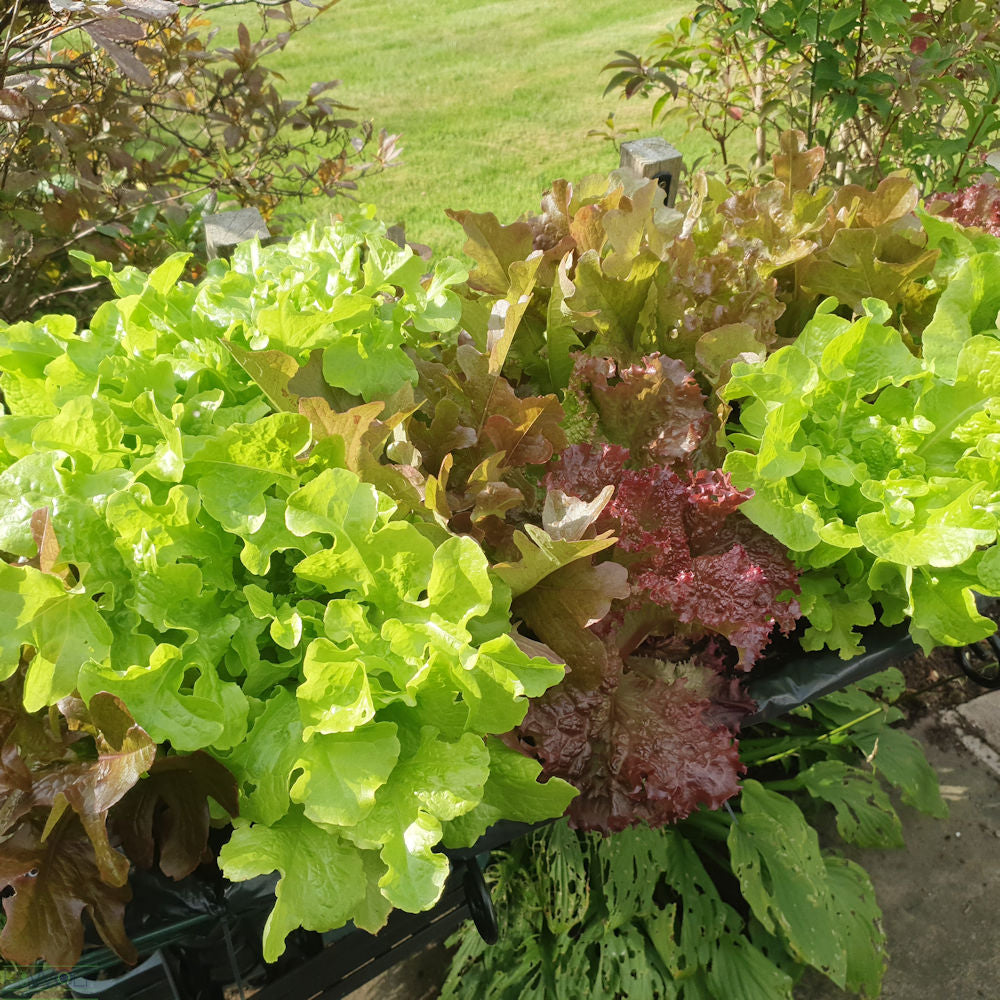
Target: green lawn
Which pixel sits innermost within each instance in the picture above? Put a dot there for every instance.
(493, 100)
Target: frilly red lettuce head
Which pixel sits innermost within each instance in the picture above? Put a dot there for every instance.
(687, 547)
(643, 747)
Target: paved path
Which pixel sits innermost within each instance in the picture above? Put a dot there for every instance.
(940, 896)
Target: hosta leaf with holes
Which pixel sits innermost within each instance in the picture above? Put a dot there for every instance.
(900, 759)
(782, 875)
(865, 815)
(859, 921)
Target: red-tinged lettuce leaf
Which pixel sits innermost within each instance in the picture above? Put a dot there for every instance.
(708, 303)
(687, 548)
(977, 205)
(642, 747)
(584, 471)
(494, 247)
(612, 306)
(91, 788)
(469, 394)
(561, 607)
(356, 439)
(570, 518)
(654, 408)
(44, 535)
(86, 762)
(62, 772)
(480, 435)
(853, 268)
(55, 881)
(169, 810)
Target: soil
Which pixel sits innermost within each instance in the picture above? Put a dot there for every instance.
(937, 682)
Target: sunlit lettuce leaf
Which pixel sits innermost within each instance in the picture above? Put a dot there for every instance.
(199, 516)
(870, 465)
(307, 857)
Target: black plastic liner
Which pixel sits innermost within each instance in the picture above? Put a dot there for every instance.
(809, 676)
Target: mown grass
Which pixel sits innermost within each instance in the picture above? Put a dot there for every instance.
(493, 100)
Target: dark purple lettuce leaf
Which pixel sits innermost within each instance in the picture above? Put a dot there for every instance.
(169, 810)
(687, 548)
(61, 775)
(54, 881)
(642, 747)
(644, 723)
(977, 205)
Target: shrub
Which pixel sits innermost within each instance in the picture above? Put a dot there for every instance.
(878, 84)
(121, 123)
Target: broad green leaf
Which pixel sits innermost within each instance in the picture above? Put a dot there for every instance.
(943, 609)
(322, 877)
(900, 759)
(512, 792)
(967, 307)
(369, 362)
(341, 772)
(859, 923)
(739, 969)
(84, 426)
(864, 813)
(439, 780)
(263, 762)
(459, 587)
(208, 714)
(67, 632)
(234, 469)
(946, 529)
(776, 857)
(335, 695)
(335, 501)
(541, 554)
(25, 592)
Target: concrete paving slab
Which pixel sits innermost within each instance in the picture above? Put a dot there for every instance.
(983, 714)
(940, 896)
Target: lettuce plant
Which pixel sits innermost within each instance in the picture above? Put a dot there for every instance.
(605, 268)
(680, 597)
(877, 468)
(187, 529)
(716, 906)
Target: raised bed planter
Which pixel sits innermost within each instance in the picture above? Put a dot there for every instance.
(198, 937)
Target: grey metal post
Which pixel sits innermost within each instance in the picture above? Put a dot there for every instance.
(657, 159)
(226, 229)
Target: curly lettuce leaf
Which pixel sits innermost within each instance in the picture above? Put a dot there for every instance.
(873, 467)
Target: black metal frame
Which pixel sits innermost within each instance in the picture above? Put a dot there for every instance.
(357, 958)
